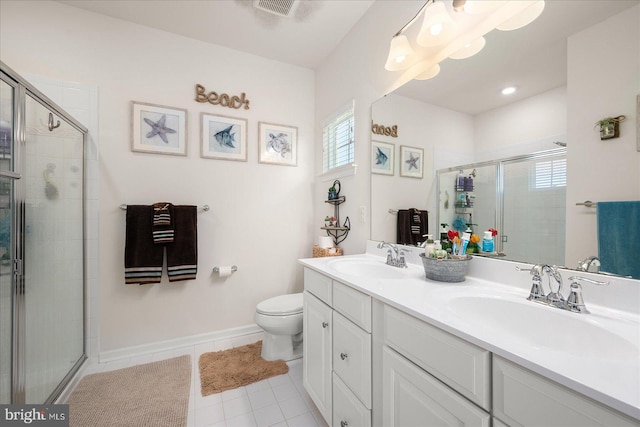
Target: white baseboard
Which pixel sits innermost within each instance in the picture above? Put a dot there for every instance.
(139, 350)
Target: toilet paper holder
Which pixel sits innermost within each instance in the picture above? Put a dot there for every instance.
(234, 268)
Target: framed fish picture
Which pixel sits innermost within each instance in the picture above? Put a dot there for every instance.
(278, 144)
(223, 137)
(158, 129)
(382, 158)
(411, 161)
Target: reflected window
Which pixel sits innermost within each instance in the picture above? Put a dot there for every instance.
(337, 139)
(550, 174)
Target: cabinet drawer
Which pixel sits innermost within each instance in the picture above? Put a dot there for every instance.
(347, 409)
(459, 364)
(412, 397)
(318, 284)
(354, 305)
(352, 357)
(524, 398)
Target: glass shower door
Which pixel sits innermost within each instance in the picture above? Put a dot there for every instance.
(53, 251)
(7, 120)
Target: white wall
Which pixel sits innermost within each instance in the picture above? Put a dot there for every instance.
(260, 214)
(604, 80)
(419, 125)
(355, 70)
(522, 127)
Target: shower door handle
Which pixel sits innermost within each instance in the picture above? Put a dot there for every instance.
(10, 175)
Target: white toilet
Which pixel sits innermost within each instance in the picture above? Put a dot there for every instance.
(281, 319)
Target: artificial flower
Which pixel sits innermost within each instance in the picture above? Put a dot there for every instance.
(474, 238)
(452, 234)
(493, 231)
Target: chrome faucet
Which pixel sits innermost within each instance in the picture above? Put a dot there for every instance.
(588, 262)
(395, 256)
(574, 302)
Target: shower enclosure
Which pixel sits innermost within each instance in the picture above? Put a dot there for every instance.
(524, 197)
(42, 281)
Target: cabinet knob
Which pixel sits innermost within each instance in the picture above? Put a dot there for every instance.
(325, 324)
(343, 356)
(343, 424)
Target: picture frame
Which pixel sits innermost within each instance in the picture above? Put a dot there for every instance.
(411, 161)
(158, 129)
(382, 158)
(277, 144)
(223, 137)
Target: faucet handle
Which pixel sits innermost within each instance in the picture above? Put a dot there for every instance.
(536, 270)
(575, 301)
(401, 261)
(575, 279)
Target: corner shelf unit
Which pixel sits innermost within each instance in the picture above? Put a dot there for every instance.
(338, 233)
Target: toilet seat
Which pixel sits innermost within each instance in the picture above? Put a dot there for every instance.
(281, 305)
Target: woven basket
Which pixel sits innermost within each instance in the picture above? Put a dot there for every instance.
(446, 270)
(319, 252)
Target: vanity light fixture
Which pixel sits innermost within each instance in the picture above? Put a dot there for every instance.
(455, 29)
(509, 90)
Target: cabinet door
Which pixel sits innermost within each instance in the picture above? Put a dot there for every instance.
(412, 397)
(316, 344)
(523, 398)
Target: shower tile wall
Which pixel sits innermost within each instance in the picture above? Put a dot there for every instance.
(81, 101)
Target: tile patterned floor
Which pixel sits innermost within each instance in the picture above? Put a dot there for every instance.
(279, 401)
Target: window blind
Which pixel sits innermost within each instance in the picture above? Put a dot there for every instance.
(338, 140)
(550, 174)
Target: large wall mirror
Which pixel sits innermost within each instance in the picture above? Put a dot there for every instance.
(460, 118)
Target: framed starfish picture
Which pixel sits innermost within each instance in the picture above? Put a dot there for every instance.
(382, 158)
(411, 161)
(223, 137)
(158, 129)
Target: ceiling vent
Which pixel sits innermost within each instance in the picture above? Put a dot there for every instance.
(276, 7)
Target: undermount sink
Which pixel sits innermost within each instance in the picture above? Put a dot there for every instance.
(547, 328)
(367, 268)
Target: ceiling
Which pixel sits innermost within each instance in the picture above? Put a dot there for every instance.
(305, 38)
(532, 58)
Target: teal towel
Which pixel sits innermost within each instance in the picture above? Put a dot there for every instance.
(619, 237)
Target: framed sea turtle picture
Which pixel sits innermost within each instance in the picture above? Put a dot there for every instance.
(223, 137)
(158, 129)
(277, 144)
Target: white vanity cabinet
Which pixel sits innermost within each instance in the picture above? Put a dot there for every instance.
(523, 398)
(430, 377)
(337, 350)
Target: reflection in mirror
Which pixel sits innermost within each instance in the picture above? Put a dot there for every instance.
(522, 197)
(456, 119)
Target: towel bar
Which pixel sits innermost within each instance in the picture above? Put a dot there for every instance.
(587, 203)
(203, 208)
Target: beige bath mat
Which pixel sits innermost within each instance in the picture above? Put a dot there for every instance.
(154, 394)
(227, 369)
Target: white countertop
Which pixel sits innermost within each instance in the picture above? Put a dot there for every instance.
(609, 374)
